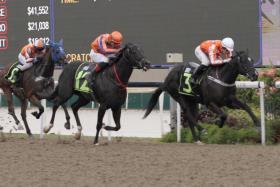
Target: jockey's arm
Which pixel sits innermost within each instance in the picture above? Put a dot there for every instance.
(105, 50)
(26, 58)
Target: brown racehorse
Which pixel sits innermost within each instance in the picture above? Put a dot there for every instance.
(34, 90)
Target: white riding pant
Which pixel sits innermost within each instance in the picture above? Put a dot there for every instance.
(202, 56)
(23, 65)
(97, 57)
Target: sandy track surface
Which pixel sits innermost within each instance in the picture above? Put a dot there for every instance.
(134, 162)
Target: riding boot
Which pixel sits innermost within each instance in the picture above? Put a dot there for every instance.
(198, 73)
(94, 71)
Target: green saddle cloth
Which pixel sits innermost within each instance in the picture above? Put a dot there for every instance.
(10, 75)
(81, 84)
(185, 86)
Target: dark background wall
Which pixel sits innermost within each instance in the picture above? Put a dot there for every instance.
(158, 26)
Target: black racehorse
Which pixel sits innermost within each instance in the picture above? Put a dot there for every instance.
(109, 88)
(34, 90)
(216, 89)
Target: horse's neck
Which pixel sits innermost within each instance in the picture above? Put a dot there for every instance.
(228, 73)
(123, 70)
(47, 65)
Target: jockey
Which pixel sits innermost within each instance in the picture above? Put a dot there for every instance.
(28, 55)
(213, 52)
(103, 49)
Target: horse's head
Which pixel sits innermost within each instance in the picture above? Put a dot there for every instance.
(57, 52)
(135, 56)
(246, 65)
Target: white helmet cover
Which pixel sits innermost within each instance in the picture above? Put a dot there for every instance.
(228, 43)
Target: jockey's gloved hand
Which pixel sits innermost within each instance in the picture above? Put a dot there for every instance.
(112, 58)
(36, 60)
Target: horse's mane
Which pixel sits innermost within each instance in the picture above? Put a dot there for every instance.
(120, 53)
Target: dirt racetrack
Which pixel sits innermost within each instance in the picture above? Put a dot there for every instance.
(60, 161)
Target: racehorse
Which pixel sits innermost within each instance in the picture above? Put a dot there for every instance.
(109, 88)
(216, 89)
(33, 90)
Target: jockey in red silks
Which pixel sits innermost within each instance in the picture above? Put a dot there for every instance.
(210, 52)
(103, 48)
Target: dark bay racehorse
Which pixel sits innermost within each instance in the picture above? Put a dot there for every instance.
(216, 89)
(33, 90)
(109, 88)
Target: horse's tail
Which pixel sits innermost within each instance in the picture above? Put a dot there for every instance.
(153, 101)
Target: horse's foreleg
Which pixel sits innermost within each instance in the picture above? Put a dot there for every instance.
(36, 102)
(117, 117)
(67, 117)
(222, 115)
(101, 112)
(56, 104)
(75, 107)
(236, 104)
(23, 116)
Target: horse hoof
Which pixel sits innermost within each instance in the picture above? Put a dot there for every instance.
(199, 143)
(20, 127)
(96, 143)
(30, 136)
(47, 128)
(34, 113)
(78, 136)
(67, 125)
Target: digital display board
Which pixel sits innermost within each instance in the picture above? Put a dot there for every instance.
(158, 26)
(21, 22)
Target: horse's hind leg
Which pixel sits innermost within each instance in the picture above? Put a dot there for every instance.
(194, 112)
(75, 107)
(116, 116)
(11, 109)
(23, 116)
(222, 115)
(101, 111)
(36, 102)
(189, 115)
